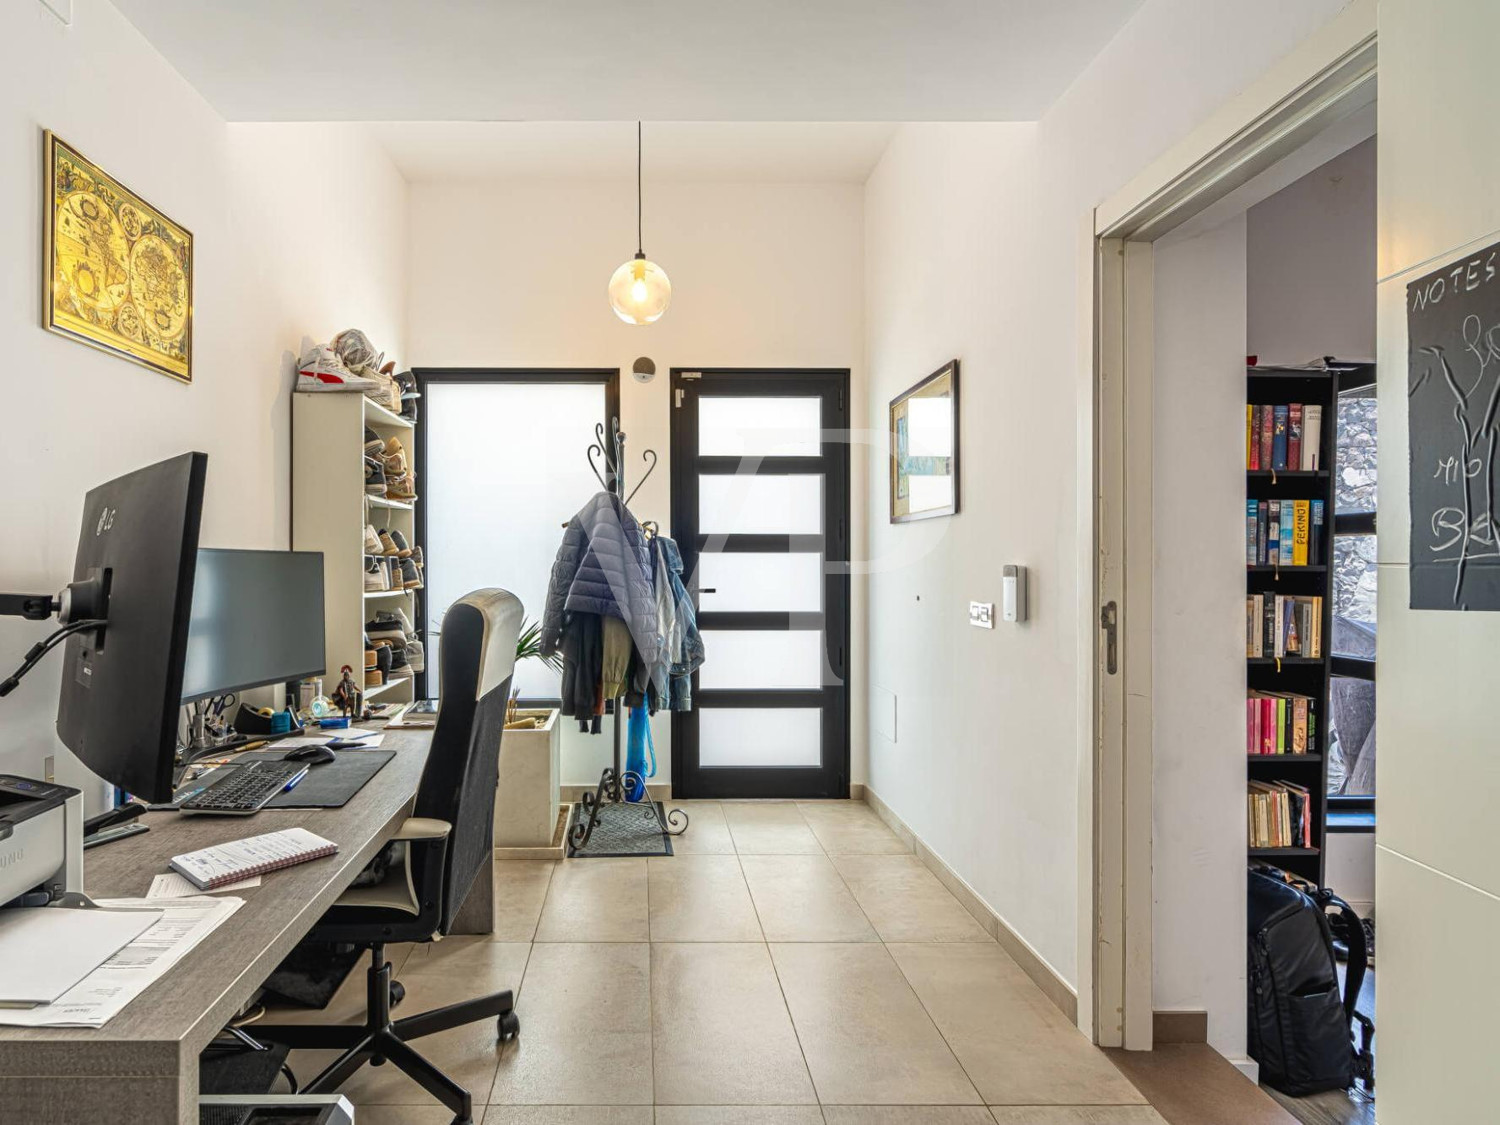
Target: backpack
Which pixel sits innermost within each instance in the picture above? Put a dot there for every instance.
(1299, 1025)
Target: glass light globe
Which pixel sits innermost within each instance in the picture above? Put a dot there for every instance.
(639, 291)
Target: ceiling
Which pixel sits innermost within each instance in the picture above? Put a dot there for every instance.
(611, 60)
(592, 150)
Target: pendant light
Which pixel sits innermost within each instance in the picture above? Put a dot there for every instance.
(639, 291)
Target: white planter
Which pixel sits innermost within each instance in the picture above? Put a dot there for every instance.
(526, 795)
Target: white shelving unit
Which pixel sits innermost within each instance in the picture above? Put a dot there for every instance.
(329, 513)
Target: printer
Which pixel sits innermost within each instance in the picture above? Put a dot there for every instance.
(41, 843)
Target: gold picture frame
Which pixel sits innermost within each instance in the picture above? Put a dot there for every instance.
(924, 448)
(117, 274)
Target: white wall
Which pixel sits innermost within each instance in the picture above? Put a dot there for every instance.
(1311, 264)
(1198, 638)
(1438, 839)
(298, 232)
(975, 241)
(513, 274)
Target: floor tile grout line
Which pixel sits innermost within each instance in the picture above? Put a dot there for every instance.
(791, 1019)
(930, 1019)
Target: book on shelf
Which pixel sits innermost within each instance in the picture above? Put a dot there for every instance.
(1280, 723)
(1284, 437)
(1282, 625)
(1280, 815)
(1283, 532)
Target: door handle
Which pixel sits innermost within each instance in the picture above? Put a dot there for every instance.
(1109, 621)
(708, 590)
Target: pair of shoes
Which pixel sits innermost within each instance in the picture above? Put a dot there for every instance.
(373, 545)
(375, 484)
(400, 480)
(377, 580)
(384, 542)
(374, 443)
(390, 625)
(409, 394)
(320, 369)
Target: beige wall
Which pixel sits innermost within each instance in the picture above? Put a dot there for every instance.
(293, 238)
(1438, 843)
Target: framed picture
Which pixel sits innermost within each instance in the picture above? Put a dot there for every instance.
(924, 448)
(117, 274)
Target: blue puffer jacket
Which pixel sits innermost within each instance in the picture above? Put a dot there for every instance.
(603, 567)
(687, 624)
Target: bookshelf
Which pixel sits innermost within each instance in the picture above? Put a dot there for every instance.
(1296, 675)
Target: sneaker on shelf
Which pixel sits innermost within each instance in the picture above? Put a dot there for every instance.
(403, 548)
(319, 369)
(411, 578)
(374, 445)
(414, 656)
(387, 627)
(375, 578)
(416, 556)
(393, 457)
(400, 615)
(406, 381)
(401, 668)
(374, 478)
(374, 678)
(356, 352)
(403, 488)
(372, 541)
(370, 659)
(387, 544)
(383, 661)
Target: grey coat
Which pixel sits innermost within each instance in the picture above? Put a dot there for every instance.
(603, 567)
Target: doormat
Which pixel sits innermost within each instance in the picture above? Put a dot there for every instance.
(623, 830)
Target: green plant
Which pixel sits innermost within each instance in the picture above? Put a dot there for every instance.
(529, 646)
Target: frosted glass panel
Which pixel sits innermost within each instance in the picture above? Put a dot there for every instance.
(760, 583)
(743, 736)
(751, 659)
(505, 468)
(760, 505)
(765, 427)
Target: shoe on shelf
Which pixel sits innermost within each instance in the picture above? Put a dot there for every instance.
(393, 456)
(372, 541)
(386, 627)
(385, 392)
(320, 369)
(374, 478)
(411, 579)
(414, 656)
(403, 487)
(416, 556)
(375, 577)
(400, 615)
(370, 659)
(387, 544)
(406, 381)
(374, 678)
(403, 548)
(401, 668)
(374, 444)
(383, 661)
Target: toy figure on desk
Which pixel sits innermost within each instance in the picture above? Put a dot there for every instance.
(348, 697)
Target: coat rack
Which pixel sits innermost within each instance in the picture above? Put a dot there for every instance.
(616, 781)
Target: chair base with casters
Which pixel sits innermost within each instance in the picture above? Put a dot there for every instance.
(380, 1039)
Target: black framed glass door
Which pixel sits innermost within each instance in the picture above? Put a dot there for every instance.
(760, 510)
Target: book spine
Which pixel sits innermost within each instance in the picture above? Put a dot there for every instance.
(1312, 437)
(1286, 533)
(1299, 532)
(1252, 528)
(1278, 439)
(1267, 435)
(1294, 436)
(1252, 439)
(1268, 726)
(1315, 532)
(1273, 533)
(1299, 725)
(1263, 531)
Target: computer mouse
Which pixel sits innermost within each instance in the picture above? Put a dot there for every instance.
(314, 755)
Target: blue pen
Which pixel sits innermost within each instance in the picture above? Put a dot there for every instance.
(290, 785)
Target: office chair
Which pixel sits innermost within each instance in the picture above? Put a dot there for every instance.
(431, 863)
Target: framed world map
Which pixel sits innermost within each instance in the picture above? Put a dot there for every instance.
(117, 273)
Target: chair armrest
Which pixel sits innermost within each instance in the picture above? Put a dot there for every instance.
(423, 828)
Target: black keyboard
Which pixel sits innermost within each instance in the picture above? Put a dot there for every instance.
(246, 789)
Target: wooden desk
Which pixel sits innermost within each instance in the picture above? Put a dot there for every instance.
(141, 1068)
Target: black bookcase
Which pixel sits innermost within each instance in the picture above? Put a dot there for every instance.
(1302, 675)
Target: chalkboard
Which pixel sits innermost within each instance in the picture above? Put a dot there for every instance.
(1453, 388)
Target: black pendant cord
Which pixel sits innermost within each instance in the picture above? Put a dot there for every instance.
(640, 242)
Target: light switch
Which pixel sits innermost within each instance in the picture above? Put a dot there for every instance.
(1013, 592)
(982, 615)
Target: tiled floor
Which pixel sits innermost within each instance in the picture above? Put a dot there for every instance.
(792, 964)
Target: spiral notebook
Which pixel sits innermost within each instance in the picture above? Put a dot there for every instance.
(255, 855)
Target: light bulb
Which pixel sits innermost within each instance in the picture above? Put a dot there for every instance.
(640, 291)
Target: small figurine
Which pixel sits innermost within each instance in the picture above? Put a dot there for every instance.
(349, 698)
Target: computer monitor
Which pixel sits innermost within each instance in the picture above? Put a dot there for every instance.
(257, 619)
(122, 684)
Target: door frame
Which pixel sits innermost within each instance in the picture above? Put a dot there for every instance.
(836, 548)
(1328, 77)
(609, 377)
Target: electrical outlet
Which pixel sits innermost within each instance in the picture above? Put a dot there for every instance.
(982, 615)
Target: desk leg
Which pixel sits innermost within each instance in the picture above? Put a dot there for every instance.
(477, 914)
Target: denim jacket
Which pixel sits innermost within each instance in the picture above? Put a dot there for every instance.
(683, 651)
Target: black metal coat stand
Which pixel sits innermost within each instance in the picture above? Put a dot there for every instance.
(615, 782)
